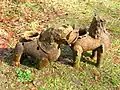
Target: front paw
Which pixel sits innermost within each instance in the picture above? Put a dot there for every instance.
(15, 63)
(97, 65)
(76, 65)
(43, 63)
(93, 58)
(77, 61)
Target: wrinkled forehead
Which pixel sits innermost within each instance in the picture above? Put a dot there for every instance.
(64, 29)
(98, 19)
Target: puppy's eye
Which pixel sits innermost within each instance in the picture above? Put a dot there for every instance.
(64, 26)
(37, 48)
(101, 20)
(22, 43)
(67, 37)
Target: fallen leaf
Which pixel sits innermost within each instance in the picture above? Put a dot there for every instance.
(2, 41)
(3, 32)
(60, 13)
(116, 60)
(3, 46)
(116, 46)
(5, 27)
(96, 76)
(10, 34)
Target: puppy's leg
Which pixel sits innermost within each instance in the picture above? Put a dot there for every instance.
(77, 60)
(94, 54)
(42, 63)
(78, 53)
(99, 56)
(74, 54)
(17, 54)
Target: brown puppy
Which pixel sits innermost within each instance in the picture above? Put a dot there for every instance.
(44, 49)
(98, 40)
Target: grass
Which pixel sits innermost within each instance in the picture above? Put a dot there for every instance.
(18, 17)
(23, 75)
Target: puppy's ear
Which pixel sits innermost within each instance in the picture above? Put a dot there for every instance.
(73, 26)
(40, 35)
(65, 26)
(68, 36)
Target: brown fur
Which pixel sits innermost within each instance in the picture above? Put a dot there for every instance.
(97, 40)
(29, 35)
(44, 49)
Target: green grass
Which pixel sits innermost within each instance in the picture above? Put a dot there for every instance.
(23, 75)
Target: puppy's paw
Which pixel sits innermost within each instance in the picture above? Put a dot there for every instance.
(15, 63)
(97, 65)
(42, 64)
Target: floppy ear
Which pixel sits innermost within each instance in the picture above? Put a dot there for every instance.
(40, 35)
(72, 36)
(65, 26)
(68, 36)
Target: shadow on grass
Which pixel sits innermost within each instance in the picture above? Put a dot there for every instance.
(67, 59)
(6, 56)
(87, 60)
(28, 61)
(67, 56)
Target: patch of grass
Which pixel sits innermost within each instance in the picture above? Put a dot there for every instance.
(115, 81)
(116, 41)
(23, 75)
(34, 6)
(41, 89)
(118, 51)
(12, 10)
